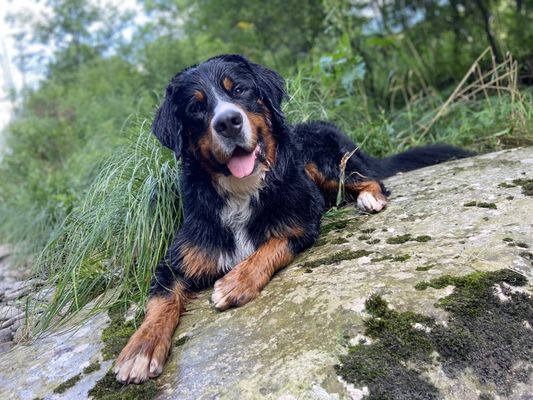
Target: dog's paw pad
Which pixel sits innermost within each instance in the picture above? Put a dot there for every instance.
(366, 201)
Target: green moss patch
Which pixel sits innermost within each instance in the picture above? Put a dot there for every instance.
(386, 257)
(527, 255)
(335, 258)
(75, 379)
(339, 241)
(526, 184)
(117, 334)
(95, 366)
(373, 241)
(181, 341)
(108, 388)
(399, 239)
(408, 238)
(401, 257)
(483, 334)
(115, 337)
(512, 243)
(382, 365)
(333, 226)
(480, 204)
(67, 384)
(320, 242)
(426, 267)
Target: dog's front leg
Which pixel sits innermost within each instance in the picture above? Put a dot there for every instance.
(244, 282)
(146, 352)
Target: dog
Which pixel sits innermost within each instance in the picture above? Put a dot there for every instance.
(254, 190)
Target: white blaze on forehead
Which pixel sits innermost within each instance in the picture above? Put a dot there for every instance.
(223, 106)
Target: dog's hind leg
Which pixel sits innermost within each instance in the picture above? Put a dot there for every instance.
(370, 194)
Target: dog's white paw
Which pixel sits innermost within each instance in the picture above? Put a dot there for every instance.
(233, 290)
(143, 357)
(366, 201)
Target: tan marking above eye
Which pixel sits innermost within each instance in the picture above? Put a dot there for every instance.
(199, 95)
(228, 84)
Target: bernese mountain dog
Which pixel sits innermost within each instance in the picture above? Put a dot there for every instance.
(254, 190)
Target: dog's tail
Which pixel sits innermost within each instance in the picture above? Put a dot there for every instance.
(420, 157)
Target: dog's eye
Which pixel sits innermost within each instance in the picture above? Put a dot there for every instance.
(239, 90)
(197, 107)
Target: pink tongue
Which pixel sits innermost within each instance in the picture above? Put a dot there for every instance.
(242, 164)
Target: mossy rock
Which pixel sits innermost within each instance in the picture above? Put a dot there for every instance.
(458, 338)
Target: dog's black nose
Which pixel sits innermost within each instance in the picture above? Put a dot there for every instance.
(228, 123)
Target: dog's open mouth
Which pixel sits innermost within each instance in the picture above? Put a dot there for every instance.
(242, 162)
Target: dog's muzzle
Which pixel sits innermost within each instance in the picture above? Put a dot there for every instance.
(228, 123)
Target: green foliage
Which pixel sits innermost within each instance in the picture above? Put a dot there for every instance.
(92, 197)
(117, 233)
(58, 143)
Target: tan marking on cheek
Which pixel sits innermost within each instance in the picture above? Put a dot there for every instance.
(228, 84)
(205, 144)
(196, 263)
(199, 95)
(260, 124)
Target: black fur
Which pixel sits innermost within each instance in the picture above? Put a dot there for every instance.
(288, 195)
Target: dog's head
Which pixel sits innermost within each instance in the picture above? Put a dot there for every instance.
(226, 112)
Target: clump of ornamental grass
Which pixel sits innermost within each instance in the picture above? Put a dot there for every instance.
(115, 237)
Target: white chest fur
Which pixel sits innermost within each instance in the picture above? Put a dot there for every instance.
(236, 214)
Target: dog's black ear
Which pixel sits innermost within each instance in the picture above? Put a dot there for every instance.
(167, 126)
(272, 91)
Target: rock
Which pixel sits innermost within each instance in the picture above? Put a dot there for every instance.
(5, 346)
(8, 312)
(12, 322)
(35, 370)
(6, 335)
(454, 236)
(16, 294)
(11, 271)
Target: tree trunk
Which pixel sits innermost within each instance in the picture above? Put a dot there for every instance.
(485, 12)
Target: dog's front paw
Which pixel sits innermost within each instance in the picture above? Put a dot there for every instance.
(367, 201)
(233, 290)
(143, 357)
